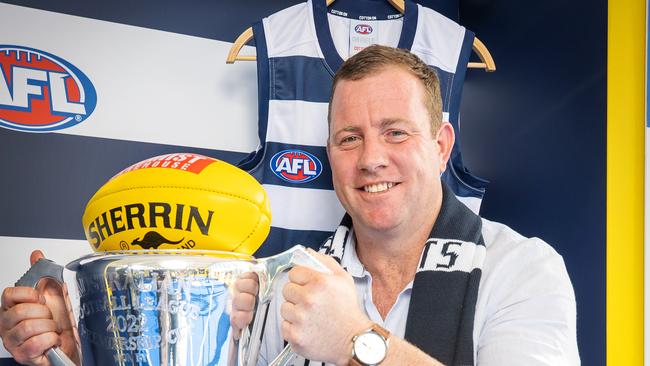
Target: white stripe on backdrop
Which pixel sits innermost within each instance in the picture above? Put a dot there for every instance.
(152, 86)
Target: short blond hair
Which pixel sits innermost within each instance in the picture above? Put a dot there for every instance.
(376, 58)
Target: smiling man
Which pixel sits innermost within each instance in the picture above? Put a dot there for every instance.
(418, 279)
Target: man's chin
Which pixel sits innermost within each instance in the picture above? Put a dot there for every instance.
(377, 221)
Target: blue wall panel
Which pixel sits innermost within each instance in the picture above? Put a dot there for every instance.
(536, 128)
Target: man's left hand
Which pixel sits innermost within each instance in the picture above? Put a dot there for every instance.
(321, 313)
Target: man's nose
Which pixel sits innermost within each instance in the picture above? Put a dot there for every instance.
(373, 156)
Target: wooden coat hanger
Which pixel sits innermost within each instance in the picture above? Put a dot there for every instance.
(487, 62)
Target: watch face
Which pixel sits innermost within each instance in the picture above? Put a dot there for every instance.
(370, 348)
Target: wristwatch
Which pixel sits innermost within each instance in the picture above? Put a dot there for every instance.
(370, 347)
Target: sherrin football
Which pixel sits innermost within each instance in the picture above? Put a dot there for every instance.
(179, 201)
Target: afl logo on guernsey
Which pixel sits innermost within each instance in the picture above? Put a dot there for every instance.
(40, 92)
(363, 29)
(296, 166)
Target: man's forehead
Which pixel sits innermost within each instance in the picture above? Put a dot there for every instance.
(385, 96)
(391, 83)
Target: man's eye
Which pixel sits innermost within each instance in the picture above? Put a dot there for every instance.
(347, 140)
(396, 135)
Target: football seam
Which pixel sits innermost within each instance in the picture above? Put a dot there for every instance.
(259, 206)
(257, 226)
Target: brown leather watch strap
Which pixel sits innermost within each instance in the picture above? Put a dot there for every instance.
(381, 331)
(384, 333)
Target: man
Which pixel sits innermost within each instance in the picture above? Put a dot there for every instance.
(417, 278)
(411, 261)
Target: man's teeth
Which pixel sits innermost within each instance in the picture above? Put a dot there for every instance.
(379, 187)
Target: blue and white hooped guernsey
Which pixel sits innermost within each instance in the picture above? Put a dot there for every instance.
(298, 51)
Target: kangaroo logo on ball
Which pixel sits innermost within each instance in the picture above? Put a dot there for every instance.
(152, 240)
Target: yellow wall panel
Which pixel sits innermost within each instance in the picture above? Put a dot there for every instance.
(625, 164)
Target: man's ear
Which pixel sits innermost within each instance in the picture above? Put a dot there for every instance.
(445, 139)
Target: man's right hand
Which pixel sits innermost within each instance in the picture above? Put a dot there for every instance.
(33, 321)
(243, 302)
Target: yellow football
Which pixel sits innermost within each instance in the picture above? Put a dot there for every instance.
(179, 201)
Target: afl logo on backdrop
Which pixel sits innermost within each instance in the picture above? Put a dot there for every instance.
(40, 92)
(363, 29)
(296, 166)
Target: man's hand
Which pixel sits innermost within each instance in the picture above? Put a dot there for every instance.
(33, 321)
(243, 302)
(321, 313)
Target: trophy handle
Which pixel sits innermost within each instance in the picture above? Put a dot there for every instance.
(45, 268)
(267, 270)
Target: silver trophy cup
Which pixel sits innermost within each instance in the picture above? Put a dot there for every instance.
(164, 307)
